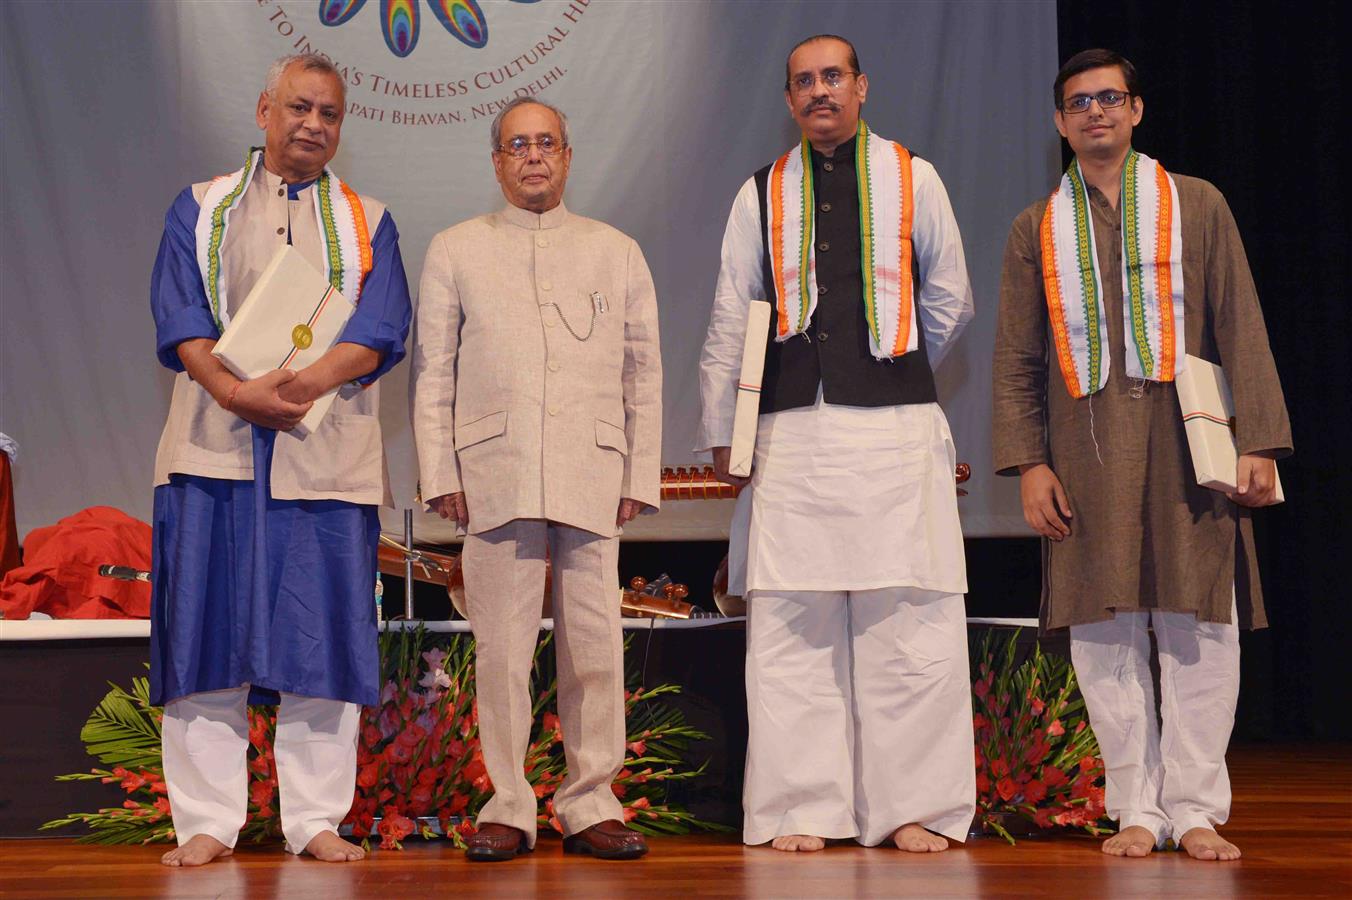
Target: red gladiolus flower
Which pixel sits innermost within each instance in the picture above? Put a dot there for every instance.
(457, 804)
(1081, 726)
(638, 748)
(1056, 729)
(393, 828)
(466, 828)
(368, 775)
(981, 688)
(983, 783)
(399, 753)
(641, 803)
(1053, 777)
(261, 792)
(1000, 767)
(1006, 788)
(619, 790)
(1088, 764)
(979, 722)
(370, 735)
(1042, 818)
(420, 799)
(130, 780)
(1038, 706)
(162, 805)
(1035, 791)
(630, 815)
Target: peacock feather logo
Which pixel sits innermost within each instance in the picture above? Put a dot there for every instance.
(401, 20)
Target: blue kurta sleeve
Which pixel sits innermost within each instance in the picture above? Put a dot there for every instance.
(178, 301)
(384, 310)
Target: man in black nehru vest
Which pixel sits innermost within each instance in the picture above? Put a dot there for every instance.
(857, 680)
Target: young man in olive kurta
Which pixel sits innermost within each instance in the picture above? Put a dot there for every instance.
(1104, 464)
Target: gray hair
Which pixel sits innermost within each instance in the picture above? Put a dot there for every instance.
(310, 62)
(495, 132)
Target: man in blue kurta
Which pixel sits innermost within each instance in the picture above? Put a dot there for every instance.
(265, 542)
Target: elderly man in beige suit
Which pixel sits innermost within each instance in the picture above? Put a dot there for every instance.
(537, 388)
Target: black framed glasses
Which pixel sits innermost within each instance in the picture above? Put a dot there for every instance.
(519, 147)
(1110, 99)
(832, 78)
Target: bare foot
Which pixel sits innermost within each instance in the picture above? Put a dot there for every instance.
(198, 851)
(329, 847)
(798, 843)
(1135, 841)
(914, 838)
(1204, 843)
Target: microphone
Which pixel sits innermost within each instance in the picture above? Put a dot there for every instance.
(124, 573)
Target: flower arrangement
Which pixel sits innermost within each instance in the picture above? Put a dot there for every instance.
(419, 766)
(1036, 757)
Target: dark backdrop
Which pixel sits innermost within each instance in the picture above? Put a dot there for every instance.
(1253, 97)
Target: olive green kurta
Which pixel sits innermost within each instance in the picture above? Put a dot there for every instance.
(1144, 535)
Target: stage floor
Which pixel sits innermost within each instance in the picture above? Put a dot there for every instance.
(1292, 818)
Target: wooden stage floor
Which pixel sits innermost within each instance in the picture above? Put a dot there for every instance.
(1292, 818)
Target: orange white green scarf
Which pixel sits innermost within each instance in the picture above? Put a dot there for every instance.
(886, 211)
(347, 240)
(1152, 278)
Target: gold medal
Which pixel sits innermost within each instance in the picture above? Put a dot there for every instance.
(302, 337)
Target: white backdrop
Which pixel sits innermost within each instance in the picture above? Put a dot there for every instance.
(109, 109)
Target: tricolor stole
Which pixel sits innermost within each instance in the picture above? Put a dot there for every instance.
(347, 240)
(886, 213)
(1152, 278)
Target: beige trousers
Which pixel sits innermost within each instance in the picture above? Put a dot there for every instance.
(1171, 779)
(859, 711)
(504, 579)
(206, 742)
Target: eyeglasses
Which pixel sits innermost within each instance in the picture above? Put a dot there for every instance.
(519, 147)
(1110, 99)
(832, 78)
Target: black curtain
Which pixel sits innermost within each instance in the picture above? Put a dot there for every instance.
(1254, 97)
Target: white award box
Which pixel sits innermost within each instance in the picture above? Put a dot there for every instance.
(747, 415)
(1208, 411)
(291, 318)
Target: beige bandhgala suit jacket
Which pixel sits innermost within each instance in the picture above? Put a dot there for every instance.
(537, 379)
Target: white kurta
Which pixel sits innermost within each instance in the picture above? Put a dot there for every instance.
(853, 499)
(842, 498)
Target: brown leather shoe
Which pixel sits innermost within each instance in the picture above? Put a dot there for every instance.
(607, 840)
(495, 843)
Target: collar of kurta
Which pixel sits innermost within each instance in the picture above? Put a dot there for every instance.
(842, 155)
(533, 221)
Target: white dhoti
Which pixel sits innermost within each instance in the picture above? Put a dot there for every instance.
(1172, 778)
(206, 742)
(858, 689)
(504, 578)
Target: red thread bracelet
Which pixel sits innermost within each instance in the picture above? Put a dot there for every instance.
(230, 398)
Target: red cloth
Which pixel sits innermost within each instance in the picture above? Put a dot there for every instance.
(60, 575)
(9, 531)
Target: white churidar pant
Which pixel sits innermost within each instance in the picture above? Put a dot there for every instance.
(504, 579)
(206, 741)
(860, 715)
(1172, 778)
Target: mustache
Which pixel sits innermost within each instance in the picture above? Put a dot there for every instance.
(821, 103)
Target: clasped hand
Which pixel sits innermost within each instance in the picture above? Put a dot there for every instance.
(277, 400)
